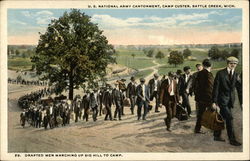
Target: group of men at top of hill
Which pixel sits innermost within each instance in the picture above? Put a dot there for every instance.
(175, 88)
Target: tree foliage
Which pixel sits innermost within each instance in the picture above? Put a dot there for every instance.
(72, 51)
(186, 53)
(175, 57)
(214, 53)
(159, 55)
(224, 54)
(235, 53)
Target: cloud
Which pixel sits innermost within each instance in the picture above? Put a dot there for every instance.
(41, 17)
(44, 20)
(193, 22)
(184, 20)
(18, 22)
(26, 13)
(44, 13)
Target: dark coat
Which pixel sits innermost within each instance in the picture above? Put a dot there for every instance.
(185, 85)
(131, 90)
(204, 86)
(140, 93)
(165, 95)
(93, 101)
(117, 97)
(151, 85)
(224, 89)
(107, 99)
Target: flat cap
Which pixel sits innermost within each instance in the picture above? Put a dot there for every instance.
(232, 59)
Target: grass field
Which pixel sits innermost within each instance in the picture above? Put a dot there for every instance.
(140, 61)
(143, 74)
(19, 63)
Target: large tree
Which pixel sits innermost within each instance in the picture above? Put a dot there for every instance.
(71, 52)
(175, 57)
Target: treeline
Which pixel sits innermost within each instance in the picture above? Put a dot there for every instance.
(216, 53)
(20, 51)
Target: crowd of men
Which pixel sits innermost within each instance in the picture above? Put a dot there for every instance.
(171, 90)
(27, 82)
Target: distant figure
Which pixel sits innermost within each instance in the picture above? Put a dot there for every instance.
(131, 94)
(143, 99)
(169, 97)
(225, 82)
(204, 81)
(85, 105)
(154, 87)
(107, 102)
(117, 100)
(94, 102)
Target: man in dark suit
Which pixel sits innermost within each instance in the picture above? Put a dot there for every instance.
(117, 101)
(169, 97)
(131, 94)
(154, 87)
(143, 95)
(108, 101)
(203, 92)
(85, 105)
(185, 85)
(225, 82)
(94, 102)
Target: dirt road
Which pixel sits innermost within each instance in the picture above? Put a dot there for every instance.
(128, 135)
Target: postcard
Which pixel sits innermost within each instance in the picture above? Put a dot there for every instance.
(124, 80)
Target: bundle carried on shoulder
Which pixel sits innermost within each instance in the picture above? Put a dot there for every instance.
(212, 120)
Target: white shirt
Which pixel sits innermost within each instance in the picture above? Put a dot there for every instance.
(143, 90)
(186, 78)
(172, 86)
(155, 84)
(228, 71)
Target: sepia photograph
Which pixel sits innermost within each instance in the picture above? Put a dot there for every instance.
(106, 80)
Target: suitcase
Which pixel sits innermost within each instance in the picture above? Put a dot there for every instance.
(181, 113)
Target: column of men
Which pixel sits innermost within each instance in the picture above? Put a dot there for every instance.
(171, 90)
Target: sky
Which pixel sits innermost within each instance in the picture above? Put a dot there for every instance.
(137, 26)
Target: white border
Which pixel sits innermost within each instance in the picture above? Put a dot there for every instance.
(126, 156)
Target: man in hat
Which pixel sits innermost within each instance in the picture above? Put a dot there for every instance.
(94, 102)
(107, 102)
(185, 84)
(226, 80)
(169, 97)
(85, 105)
(143, 99)
(204, 81)
(123, 88)
(131, 94)
(154, 86)
(117, 100)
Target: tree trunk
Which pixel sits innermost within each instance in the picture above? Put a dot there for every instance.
(71, 85)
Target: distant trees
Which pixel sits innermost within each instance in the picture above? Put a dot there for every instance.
(133, 55)
(149, 52)
(17, 52)
(175, 57)
(159, 55)
(186, 53)
(235, 53)
(216, 54)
